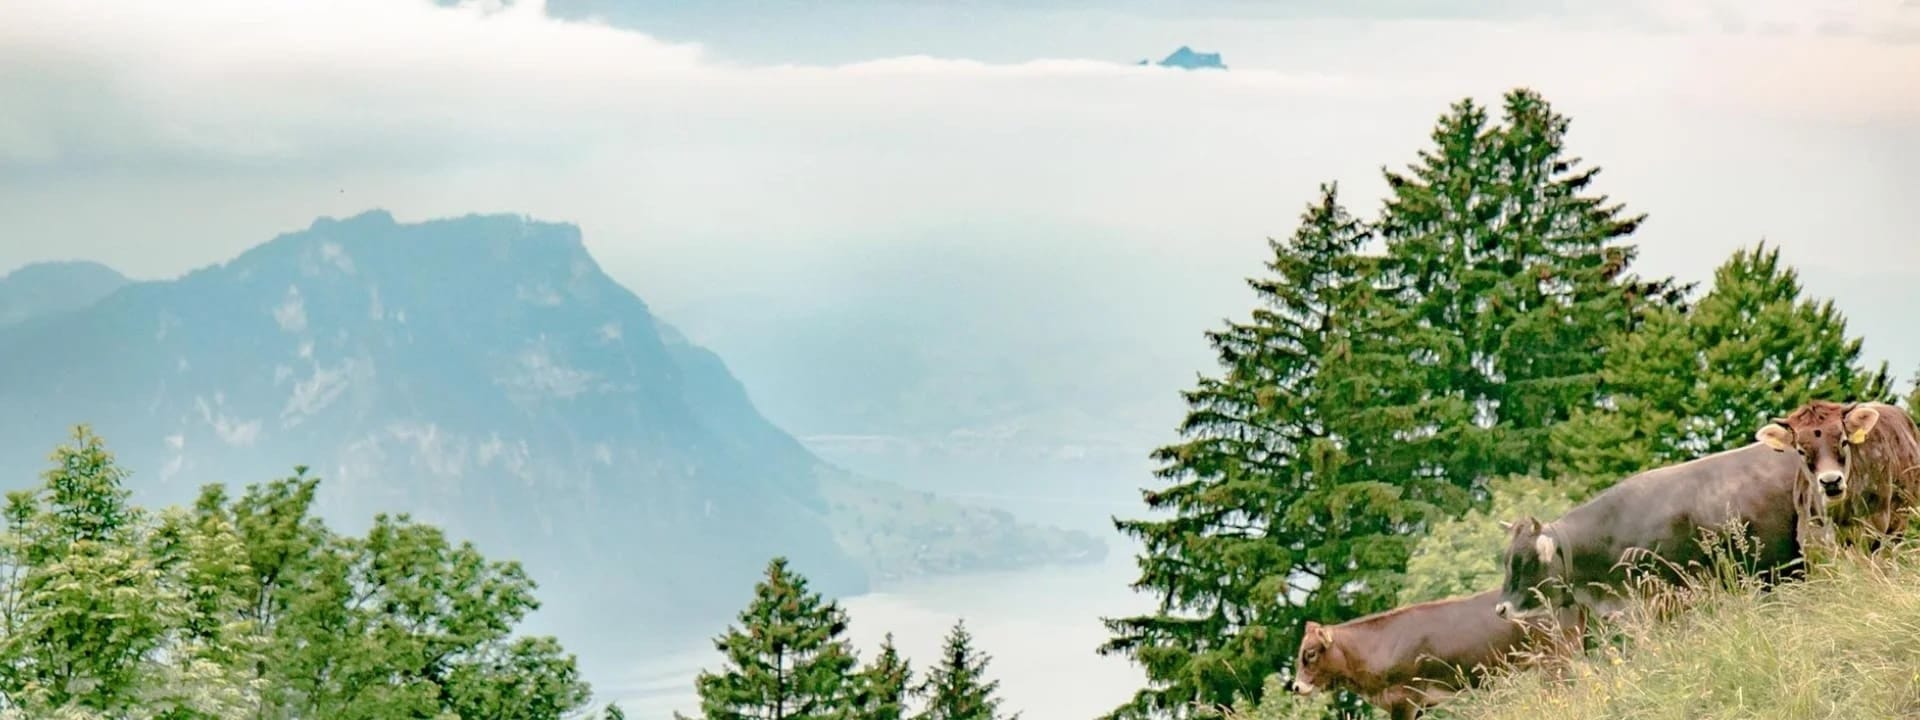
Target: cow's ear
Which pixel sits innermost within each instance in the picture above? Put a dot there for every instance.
(1860, 422)
(1775, 435)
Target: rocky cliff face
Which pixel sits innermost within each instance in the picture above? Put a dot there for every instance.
(480, 373)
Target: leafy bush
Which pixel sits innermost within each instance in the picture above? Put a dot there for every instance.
(1461, 556)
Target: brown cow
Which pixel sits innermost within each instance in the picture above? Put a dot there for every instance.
(1411, 658)
(1654, 521)
(1859, 469)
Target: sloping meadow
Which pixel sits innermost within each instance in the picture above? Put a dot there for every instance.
(1843, 643)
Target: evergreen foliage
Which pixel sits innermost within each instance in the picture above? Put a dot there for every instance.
(1236, 564)
(957, 687)
(885, 686)
(1700, 381)
(787, 658)
(1370, 395)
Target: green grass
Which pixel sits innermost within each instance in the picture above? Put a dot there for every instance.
(1844, 643)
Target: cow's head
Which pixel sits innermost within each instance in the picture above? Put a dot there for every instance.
(1317, 665)
(1824, 434)
(1534, 566)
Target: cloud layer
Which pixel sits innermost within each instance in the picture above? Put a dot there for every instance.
(163, 136)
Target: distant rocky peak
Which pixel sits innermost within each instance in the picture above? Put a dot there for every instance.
(467, 259)
(1186, 58)
(48, 288)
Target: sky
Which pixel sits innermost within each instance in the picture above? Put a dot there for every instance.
(716, 148)
(722, 153)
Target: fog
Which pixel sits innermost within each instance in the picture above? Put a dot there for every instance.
(756, 154)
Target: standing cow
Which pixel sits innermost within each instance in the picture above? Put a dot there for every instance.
(1858, 468)
(1410, 658)
(1582, 557)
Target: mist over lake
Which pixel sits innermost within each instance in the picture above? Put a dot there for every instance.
(1041, 627)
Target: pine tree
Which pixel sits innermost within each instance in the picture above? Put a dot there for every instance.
(788, 659)
(1233, 573)
(957, 687)
(1696, 382)
(885, 686)
(613, 712)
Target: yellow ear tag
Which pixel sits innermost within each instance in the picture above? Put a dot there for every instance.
(1858, 437)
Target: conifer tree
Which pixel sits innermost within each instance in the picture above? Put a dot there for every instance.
(1370, 396)
(957, 687)
(1235, 564)
(1511, 277)
(885, 686)
(613, 712)
(787, 659)
(1700, 381)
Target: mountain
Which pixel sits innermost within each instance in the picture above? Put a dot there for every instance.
(54, 287)
(1186, 59)
(481, 373)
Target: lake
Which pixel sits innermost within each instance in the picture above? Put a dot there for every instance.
(1040, 626)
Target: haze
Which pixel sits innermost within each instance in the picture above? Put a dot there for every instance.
(994, 190)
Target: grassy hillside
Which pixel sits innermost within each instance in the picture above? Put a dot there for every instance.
(1843, 644)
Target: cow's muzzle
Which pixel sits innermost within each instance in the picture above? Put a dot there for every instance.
(1301, 687)
(1832, 483)
(1503, 609)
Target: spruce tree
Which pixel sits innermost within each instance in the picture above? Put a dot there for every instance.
(885, 686)
(1372, 395)
(1511, 277)
(1700, 381)
(957, 687)
(787, 659)
(1233, 572)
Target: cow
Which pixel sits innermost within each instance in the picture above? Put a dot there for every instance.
(1858, 469)
(1410, 658)
(1583, 557)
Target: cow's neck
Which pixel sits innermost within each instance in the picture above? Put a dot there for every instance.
(1366, 643)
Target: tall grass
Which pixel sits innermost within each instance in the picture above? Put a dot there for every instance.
(1842, 643)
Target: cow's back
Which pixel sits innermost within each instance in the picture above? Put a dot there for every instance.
(1440, 642)
(1663, 510)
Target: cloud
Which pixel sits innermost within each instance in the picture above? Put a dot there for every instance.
(205, 127)
(412, 84)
